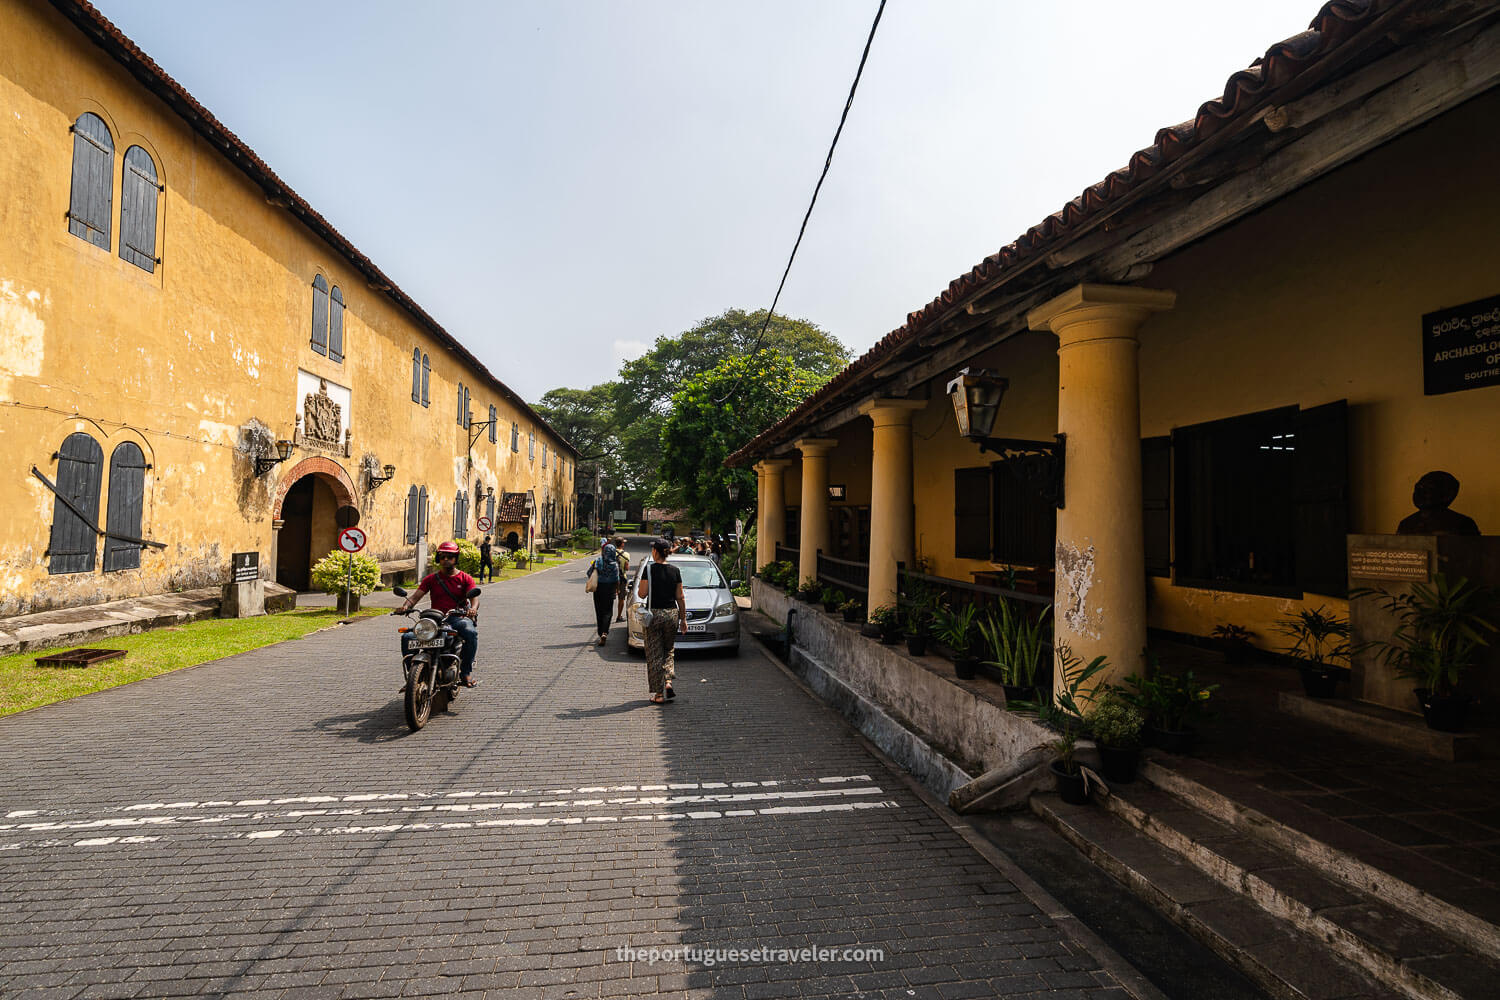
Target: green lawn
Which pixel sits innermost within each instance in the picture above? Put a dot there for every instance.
(24, 685)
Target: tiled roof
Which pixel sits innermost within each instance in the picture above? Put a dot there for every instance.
(103, 33)
(1271, 79)
(511, 509)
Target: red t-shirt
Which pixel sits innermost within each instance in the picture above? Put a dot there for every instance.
(448, 592)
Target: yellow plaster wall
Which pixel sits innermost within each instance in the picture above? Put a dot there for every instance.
(182, 360)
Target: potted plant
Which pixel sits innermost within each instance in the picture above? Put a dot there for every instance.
(888, 620)
(1116, 725)
(920, 615)
(1234, 642)
(955, 629)
(1320, 644)
(810, 591)
(1014, 644)
(1440, 627)
(1171, 703)
(1066, 716)
(853, 610)
(832, 598)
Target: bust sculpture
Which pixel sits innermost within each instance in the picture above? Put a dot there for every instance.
(1433, 495)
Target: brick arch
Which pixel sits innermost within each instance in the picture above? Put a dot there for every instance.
(338, 479)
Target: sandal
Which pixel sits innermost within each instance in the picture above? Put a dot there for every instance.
(670, 693)
(657, 699)
(469, 682)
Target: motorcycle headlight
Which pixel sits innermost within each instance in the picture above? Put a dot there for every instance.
(425, 629)
(725, 610)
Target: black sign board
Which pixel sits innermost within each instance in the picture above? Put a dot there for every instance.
(1461, 347)
(346, 517)
(246, 566)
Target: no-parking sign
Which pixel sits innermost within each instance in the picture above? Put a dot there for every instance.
(351, 539)
(484, 524)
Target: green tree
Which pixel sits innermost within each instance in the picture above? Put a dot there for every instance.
(707, 423)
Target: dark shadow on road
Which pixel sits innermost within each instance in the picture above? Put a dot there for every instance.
(380, 725)
(574, 714)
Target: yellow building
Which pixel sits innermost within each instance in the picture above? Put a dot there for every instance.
(1234, 352)
(170, 311)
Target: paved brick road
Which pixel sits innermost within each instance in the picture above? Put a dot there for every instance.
(265, 825)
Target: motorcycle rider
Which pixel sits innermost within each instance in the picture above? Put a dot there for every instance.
(449, 588)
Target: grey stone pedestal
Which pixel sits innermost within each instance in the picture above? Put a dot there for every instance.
(243, 600)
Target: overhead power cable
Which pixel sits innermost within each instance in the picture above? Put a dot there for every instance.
(827, 162)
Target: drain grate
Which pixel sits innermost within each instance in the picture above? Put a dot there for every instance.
(79, 657)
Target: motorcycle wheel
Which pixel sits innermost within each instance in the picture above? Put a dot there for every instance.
(419, 697)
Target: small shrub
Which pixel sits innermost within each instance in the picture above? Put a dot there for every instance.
(362, 572)
(1116, 723)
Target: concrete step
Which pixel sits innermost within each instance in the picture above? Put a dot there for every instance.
(1280, 961)
(1459, 909)
(1397, 950)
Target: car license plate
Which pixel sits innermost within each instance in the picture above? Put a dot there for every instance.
(697, 628)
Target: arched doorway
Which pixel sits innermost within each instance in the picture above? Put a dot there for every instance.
(310, 495)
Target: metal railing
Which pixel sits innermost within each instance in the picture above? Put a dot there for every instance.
(785, 554)
(848, 575)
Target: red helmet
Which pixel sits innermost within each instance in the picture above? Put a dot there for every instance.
(448, 547)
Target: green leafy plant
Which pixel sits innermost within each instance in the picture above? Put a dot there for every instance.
(832, 597)
(811, 590)
(852, 604)
(330, 572)
(1115, 722)
(1171, 701)
(886, 616)
(1317, 636)
(1066, 712)
(519, 559)
(955, 628)
(1440, 628)
(1014, 643)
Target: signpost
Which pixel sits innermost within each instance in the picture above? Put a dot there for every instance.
(1461, 347)
(245, 567)
(351, 540)
(485, 524)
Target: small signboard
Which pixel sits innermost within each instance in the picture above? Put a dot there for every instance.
(346, 516)
(836, 492)
(1389, 564)
(244, 567)
(351, 539)
(485, 524)
(618, 515)
(1461, 347)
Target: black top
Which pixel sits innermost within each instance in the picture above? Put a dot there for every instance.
(665, 579)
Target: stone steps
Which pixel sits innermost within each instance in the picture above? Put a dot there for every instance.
(1304, 919)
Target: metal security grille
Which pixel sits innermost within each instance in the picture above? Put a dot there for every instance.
(138, 192)
(127, 494)
(80, 468)
(93, 180)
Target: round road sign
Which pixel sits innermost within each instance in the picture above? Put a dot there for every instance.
(351, 539)
(484, 524)
(346, 516)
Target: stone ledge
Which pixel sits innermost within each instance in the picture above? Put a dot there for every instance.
(1391, 728)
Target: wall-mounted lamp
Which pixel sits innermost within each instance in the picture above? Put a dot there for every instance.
(733, 489)
(283, 452)
(489, 491)
(375, 482)
(1038, 464)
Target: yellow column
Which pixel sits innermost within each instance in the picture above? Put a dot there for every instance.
(891, 515)
(1100, 601)
(814, 504)
(771, 522)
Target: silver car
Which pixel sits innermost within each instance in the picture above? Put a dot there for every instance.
(713, 617)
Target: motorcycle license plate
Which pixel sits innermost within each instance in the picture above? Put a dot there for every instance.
(429, 644)
(697, 628)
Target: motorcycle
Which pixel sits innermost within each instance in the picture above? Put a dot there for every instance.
(431, 663)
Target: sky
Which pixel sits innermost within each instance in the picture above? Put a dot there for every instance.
(560, 183)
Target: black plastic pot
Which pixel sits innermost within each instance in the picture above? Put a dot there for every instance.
(1070, 787)
(1320, 682)
(966, 667)
(1019, 692)
(916, 644)
(1172, 740)
(830, 606)
(1444, 712)
(889, 636)
(1236, 652)
(851, 615)
(1119, 763)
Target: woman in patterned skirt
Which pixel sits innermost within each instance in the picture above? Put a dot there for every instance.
(661, 588)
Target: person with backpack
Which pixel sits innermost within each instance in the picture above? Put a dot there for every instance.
(605, 570)
(624, 576)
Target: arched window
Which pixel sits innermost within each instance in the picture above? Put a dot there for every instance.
(426, 376)
(412, 516)
(138, 190)
(320, 315)
(336, 325)
(416, 375)
(75, 508)
(127, 494)
(93, 181)
(494, 427)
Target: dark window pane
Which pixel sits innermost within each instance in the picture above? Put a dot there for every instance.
(1024, 524)
(93, 180)
(1321, 499)
(138, 210)
(320, 315)
(971, 513)
(336, 325)
(127, 492)
(80, 470)
(1156, 508)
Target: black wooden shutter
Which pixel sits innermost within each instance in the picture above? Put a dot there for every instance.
(93, 181)
(80, 468)
(971, 513)
(494, 427)
(138, 210)
(320, 315)
(336, 325)
(426, 375)
(422, 513)
(1156, 503)
(416, 375)
(1023, 525)
(1320, 499)
(413, 509)
(127, 492)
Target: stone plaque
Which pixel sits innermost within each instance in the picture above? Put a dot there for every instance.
(245, 566)
(1461, 347)
(1389, 564)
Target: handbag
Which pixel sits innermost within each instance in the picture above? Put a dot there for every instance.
(592, 583)
(647, 614)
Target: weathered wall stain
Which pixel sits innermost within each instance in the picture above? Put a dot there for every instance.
(1075, 571)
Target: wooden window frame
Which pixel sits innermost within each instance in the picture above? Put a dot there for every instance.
(125, 512)
(81, 486)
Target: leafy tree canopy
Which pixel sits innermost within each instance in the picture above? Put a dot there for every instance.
(586, 417)
(704, 427)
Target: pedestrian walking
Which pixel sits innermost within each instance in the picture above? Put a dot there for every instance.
(624, 576)
(486, 565)
(665, 616)
(605, 569)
